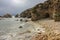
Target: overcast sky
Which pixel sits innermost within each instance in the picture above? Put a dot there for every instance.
(16, 6)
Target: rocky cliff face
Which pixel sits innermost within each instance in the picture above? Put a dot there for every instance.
(43, 10)
(26, 13)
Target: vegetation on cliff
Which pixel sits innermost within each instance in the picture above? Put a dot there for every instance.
(57, 17)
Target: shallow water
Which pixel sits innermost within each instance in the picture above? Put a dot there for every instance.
(9, 29)
(9, 25)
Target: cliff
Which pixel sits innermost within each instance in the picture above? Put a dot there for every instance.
(26, 13)
(48, 9)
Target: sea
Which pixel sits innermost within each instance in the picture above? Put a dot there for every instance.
(9, 29)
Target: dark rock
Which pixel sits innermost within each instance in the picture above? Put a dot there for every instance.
(20, 27)
(7, 15)
(21, 19)
(42, 10)
(26, 13)
(26, 20)
(17, 15)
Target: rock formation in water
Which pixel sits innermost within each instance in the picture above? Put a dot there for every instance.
(17, 15)
(0, 16)
(48, 9)
(7, 15)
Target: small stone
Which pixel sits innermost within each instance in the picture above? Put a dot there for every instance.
(20, 27)
(29, 31)
(39, 33)
(20, 19)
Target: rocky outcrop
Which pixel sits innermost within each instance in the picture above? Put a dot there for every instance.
(0, 16)
(26, 13)
(7, 15)
(17, 16)
(43, 10)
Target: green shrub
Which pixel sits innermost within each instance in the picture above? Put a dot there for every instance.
(57, 17)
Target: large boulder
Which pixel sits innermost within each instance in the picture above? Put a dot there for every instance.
(17, 15)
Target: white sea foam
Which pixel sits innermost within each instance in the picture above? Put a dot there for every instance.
(11, 31)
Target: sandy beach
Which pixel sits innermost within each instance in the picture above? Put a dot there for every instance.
(52, 30)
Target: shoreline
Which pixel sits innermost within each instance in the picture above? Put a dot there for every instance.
(25, 33)
(31, 29)
(52, 31)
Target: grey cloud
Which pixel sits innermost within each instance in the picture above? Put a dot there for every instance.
(6, 6)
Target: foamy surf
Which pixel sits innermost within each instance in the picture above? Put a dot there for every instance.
(15, 33)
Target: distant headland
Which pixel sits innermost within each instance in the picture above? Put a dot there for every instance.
(8, 15)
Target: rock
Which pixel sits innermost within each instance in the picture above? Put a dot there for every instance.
(7, 15)
(21, 19)
(28, 31)
(17, 15)
(26, 13)
(42, 10)
(26, 20)
(20, 27)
